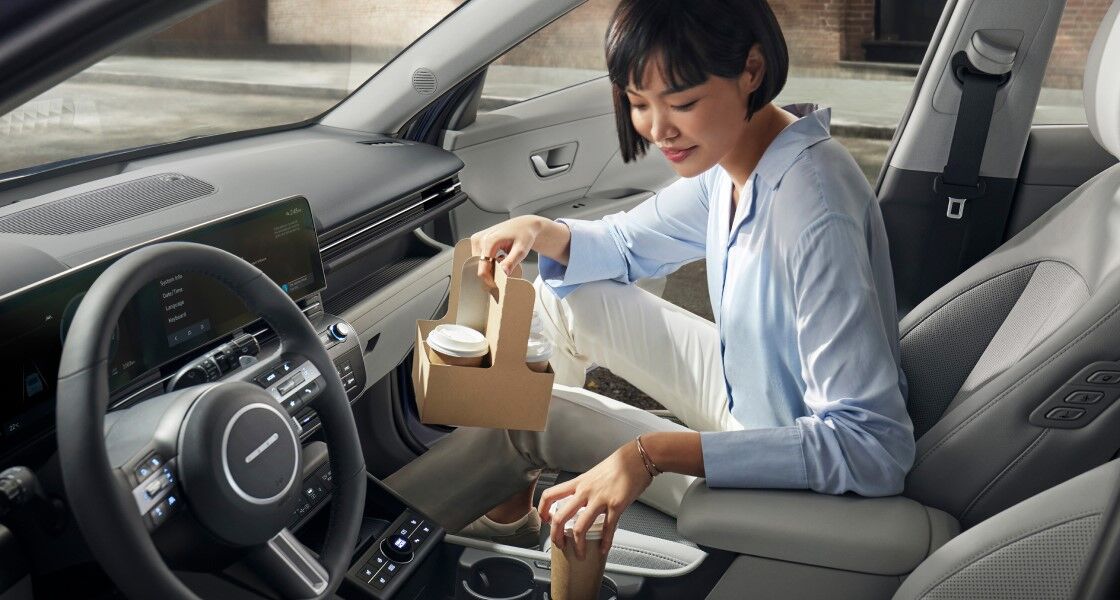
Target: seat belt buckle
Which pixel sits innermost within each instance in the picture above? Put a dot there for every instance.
(957, 195)
(956, 208)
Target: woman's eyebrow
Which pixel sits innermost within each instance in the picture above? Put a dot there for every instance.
(666, 92)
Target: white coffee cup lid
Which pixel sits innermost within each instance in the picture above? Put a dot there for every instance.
(539, 349)
(458, 340)
(594, 532)
(536, 326)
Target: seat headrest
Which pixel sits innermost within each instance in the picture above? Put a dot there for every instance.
(1102, 82)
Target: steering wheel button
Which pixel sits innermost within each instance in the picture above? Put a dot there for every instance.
(367, 572)
(155, 487)
(143, 472)
(158, 514)
(155, 462)
(172, 501)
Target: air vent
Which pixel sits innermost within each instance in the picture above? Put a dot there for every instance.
(383, 143)
(105, 206)
(424, 81)
(342, 244)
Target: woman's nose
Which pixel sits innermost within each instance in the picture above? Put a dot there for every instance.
(662, 126)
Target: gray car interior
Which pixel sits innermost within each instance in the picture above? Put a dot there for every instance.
(1010, 364)
(981, 355)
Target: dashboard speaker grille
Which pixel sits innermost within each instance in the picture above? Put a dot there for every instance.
(105, 206)
(424, 81)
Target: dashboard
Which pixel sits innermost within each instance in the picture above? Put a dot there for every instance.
(331, 216)
(170, 317)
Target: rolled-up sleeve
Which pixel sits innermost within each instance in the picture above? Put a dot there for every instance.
(857, 436)
(651, 240)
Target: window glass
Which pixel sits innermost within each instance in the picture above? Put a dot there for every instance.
(1060, 100)
(842, 56)
(567, 52)
(238, 65)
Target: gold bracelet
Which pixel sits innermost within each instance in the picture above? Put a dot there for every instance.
(650, 466)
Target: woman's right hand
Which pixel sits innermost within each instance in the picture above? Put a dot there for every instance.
(515, 237)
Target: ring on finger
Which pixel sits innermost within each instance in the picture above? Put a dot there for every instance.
(487, 259)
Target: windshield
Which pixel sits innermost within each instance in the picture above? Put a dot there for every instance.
(238, 65)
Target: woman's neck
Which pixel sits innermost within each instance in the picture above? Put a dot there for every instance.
(759, 132)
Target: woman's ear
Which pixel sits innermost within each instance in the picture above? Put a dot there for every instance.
(753, 71)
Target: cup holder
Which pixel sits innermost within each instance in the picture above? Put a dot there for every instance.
(499, 578)
(608, 591)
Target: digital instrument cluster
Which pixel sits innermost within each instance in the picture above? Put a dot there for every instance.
(168, 318)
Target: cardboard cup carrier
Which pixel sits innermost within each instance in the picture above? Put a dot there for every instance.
(502, 393)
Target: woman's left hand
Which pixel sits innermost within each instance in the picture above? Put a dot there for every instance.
(609, 487)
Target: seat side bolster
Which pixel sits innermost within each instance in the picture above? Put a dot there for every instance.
(1056, 526)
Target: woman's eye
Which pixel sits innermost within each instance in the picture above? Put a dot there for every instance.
(638, 106)
(685, 107)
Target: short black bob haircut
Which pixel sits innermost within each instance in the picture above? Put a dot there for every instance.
(694, 39)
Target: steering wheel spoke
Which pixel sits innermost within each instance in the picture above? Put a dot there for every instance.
(289, 567)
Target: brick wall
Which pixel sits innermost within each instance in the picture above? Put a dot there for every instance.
(818, 32)
(1071, 45)
(859, 25)
(390, 23)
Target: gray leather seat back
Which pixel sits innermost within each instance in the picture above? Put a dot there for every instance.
(986, 350)
(1035, 549)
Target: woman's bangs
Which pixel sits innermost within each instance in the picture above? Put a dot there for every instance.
(637, 37)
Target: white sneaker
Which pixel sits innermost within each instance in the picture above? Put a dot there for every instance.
(524, 532)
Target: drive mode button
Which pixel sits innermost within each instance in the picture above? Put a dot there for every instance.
(397, 548)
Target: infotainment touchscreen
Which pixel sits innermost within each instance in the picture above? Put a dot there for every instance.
(169, 317)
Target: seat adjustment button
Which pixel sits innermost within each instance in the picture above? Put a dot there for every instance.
(1105, 377)
(1065, 414)
(1083, 397)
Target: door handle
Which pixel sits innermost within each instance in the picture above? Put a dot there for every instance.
(541, 166)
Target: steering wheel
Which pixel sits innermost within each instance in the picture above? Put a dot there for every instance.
(231, 447)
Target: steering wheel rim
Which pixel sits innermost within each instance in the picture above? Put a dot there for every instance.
(107, 514)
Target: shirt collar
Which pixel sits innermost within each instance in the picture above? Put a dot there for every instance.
(810, 127)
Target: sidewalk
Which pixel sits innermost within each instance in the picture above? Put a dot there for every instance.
(864, 108)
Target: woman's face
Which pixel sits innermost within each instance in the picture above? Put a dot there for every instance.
(696, 127)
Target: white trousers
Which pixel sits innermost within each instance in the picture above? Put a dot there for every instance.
(667, 352)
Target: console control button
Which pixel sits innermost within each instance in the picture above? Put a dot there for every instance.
(339, 331)
(368, 572)
(397, 548)
(379, 582)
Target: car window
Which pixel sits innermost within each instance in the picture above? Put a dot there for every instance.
(1060, 100)
(238, 65)
(567, 52)
(841, 56)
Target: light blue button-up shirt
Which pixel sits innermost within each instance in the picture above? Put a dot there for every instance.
(803, 296)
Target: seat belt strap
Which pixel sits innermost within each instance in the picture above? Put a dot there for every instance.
(960, 180)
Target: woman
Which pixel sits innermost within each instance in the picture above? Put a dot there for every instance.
(797, 384)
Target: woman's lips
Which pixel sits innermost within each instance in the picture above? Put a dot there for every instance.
(677, 155)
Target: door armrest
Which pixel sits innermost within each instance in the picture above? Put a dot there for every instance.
(882, 536)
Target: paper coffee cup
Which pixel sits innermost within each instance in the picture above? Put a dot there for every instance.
(458, 345)
(538, 352)
(573, 578)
